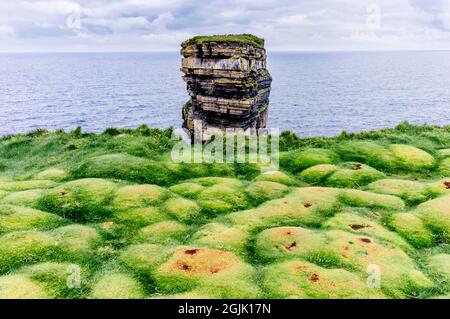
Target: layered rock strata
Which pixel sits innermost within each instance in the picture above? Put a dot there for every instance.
(227, 81)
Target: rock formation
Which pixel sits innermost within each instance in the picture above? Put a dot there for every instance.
(228, 82)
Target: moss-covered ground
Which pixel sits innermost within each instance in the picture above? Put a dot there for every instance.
(228, 38)
(109, 215)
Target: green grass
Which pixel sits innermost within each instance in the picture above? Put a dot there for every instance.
(231, 38)
(115, 211)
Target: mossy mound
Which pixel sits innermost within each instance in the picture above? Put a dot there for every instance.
(356, 224)
(296, 161)
(21, 287)
(121, 166)
(395, 156)
(181, 209)
(117, 286)
(60, 280)
(140, 217)
(353, 175)
(335, 248)
(52, 174)
(412, 158)
(400, 276)
(309, 205)
(25, 198)
(317, 174)
(221, 195)
(220, 236)
(219, 272)
(186, 171)
(438, 188)
(300, 279)
(357, 198)
(125, 167)
(262, 191)
(134, 196)
(25, 247)
(211, 181)
(440, 264)
(280, 242)
(76, 240)
(83, 200)
(26, 185)
(13, 218)
(162, 232)
(411, 191)
(368, 152)
(233, 284)
(187, 189)
(144, 258)
(277, 177)
(444, 167)
(412, 228)
(436, 215)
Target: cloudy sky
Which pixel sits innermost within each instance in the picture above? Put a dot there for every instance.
(160, 25)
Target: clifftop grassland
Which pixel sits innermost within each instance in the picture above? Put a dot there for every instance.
(110, 216)
(230, 38)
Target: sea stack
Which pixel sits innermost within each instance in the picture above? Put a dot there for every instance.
(228, 83)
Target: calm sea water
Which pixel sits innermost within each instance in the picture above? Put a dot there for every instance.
(312, 93)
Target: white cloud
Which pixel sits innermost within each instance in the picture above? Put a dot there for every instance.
(6, 31)
(163, 20)
(163, 24)
(445, 14)
(50, 7)
(166, 39)
(292, 20)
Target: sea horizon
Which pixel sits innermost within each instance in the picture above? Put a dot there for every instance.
(313, 93)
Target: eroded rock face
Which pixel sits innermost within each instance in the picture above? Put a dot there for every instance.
(227, 81)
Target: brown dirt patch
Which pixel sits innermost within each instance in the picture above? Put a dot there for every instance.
(183, 266)
(215, 270)
(290, 246)
(201, 261)
(358, 227)
(314, 278)
(191, 251)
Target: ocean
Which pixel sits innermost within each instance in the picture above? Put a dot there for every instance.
(312, 93)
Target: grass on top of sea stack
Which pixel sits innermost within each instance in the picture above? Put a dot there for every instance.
(114, 210)
(228, 38)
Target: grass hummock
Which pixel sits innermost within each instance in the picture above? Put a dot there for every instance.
(111, 214)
